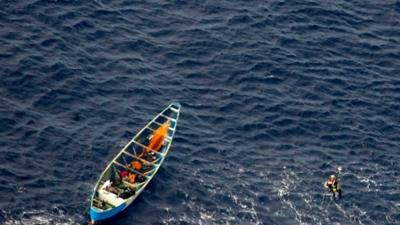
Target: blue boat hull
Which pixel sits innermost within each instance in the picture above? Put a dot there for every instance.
(96, 215)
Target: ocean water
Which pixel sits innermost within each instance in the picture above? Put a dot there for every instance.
(275, 95)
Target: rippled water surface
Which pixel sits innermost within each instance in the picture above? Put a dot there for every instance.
(274, 94)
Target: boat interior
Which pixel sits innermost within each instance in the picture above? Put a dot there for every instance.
(108, 196)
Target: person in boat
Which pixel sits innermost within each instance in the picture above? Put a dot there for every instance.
(149, 156)
(157, 141)
(333, 185)
(140, 178)
(127, 193)
(108, 186)
(136, 165)
(124, 175)
(132, 178)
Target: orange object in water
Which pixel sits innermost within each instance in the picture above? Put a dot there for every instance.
(132, 178)
(136, 165)
(158, 137)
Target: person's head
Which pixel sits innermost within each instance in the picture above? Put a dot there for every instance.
(332, 177)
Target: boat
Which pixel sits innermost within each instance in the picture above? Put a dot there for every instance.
(121, 183)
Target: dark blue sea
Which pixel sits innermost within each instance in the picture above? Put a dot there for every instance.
(275, 95)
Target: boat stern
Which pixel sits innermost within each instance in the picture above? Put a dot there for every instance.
(97, 215)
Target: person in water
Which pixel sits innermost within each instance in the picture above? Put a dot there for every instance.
(333, 185)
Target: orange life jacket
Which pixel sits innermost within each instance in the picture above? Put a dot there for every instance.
(132, 178)
(158, 137)
(136, 165)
